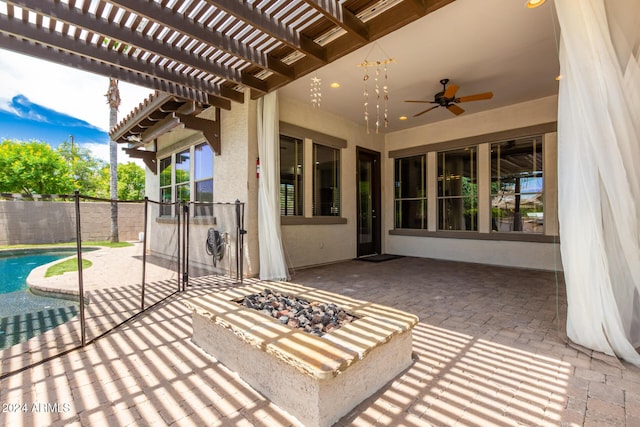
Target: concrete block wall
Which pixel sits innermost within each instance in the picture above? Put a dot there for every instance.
(34, 222)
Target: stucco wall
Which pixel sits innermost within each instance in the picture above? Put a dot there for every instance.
(34, 222)
(319, 244)
(312, 244)
(500, 252)
(234, 179)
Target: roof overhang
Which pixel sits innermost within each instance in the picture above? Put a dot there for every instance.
(159, 114)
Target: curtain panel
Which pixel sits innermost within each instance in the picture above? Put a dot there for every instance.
(273, 265)
(598, 173)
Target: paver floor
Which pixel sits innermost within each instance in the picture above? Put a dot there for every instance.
(489, 350)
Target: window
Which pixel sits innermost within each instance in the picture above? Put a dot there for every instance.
(184, 180)
(183, 169)
(411, 192)
(458, 189)
(291, 173)
(203, 179)
(166, 173)
(326, 181)
(517, 186)
(312, 190)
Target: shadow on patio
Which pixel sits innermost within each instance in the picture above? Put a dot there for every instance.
(489, 351)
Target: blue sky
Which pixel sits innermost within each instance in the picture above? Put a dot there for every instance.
(48, 102)
(24, 120)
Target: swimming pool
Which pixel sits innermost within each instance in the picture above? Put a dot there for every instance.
(24, 315)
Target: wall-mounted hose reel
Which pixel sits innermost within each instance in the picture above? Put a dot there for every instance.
(216, 244)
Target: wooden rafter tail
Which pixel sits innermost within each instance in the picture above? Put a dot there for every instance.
(342, 17)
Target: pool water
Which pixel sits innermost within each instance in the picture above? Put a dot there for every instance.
(15, 269)
(24, 315)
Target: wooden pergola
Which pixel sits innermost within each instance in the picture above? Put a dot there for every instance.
(197, 54)
(208, 51)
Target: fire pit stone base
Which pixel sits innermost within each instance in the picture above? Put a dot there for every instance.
(318, 380)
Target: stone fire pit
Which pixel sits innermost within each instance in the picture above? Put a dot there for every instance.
(316, 379)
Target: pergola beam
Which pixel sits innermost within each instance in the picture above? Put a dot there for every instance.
(379, 26)
(78, 47)
(272, 27)
(210, 51)
(148, 157)
(209, 128)
(62, 57)
(342, 17)
(154, 12)
(129, 36)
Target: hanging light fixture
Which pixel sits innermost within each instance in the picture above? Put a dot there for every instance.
(316, 91)
(381, 90)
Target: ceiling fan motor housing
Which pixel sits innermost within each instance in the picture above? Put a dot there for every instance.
(441, 100)
(450, 102)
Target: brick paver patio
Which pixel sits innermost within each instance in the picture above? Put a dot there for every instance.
(489, 350)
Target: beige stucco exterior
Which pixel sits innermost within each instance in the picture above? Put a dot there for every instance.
(234, 179)
(311, 243)
(524, 254)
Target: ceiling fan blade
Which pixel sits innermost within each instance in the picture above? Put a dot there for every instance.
(450, 91)
(427, 110)
(422, 102)
(476, 97)
(455, 109)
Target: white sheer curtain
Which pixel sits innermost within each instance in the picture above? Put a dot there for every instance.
(273, 265)
(599, 173)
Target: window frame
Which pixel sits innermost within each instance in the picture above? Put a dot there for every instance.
(164, 210)
(546, 131)
(297, 208)
(202, 210)
(186, 186)
(309, 138)
(398, 199)
(539, 228)
(443, 199)
(334, 174)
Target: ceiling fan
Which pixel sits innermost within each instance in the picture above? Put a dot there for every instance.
(447, 98)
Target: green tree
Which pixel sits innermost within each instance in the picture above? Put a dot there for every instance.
(130, 181)
(85, 168)
(33, 168)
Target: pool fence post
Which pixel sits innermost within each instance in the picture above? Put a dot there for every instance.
(177, 205)
(240, 232)
(185, 246)
(144, 251)
(79, 256)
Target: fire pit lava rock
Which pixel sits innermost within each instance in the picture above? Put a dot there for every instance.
(313, 317)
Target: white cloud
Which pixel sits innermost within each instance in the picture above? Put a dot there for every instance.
(63, 89)
(5, 103)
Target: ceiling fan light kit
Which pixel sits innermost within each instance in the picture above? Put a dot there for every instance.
(447, 99)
